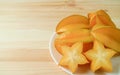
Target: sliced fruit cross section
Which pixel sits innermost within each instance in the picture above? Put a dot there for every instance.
(100, 57)
(72, 56)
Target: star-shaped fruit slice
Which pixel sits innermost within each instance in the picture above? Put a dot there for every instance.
(72, 56)
(100, 57)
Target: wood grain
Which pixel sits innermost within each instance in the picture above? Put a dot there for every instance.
(26, 28)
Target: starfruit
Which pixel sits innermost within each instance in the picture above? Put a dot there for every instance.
(72, 56)
(109, 36)
(82, 35)
(72, 20)
(59, 43)
(100, 17)
(72, 27)
(100, 57)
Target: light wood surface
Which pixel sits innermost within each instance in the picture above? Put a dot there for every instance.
(26, 27)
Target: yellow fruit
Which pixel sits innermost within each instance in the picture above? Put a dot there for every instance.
(100, 17)
(100, 57)
(82, 35)
(72, 27)
(58, 44)
(95, 38)
(109, 36)
(71, 20)
(72, 56)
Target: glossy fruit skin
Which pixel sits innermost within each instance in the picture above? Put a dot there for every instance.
(109, 36)
(72, 20)
(82, 35)
(70, 30)
(100, 17)
(58, 45)
(72, 27)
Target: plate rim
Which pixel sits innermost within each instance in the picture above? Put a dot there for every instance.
(51, 54)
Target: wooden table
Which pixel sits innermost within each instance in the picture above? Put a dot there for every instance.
(26, 28)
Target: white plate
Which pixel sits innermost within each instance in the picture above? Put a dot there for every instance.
(82, 70)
